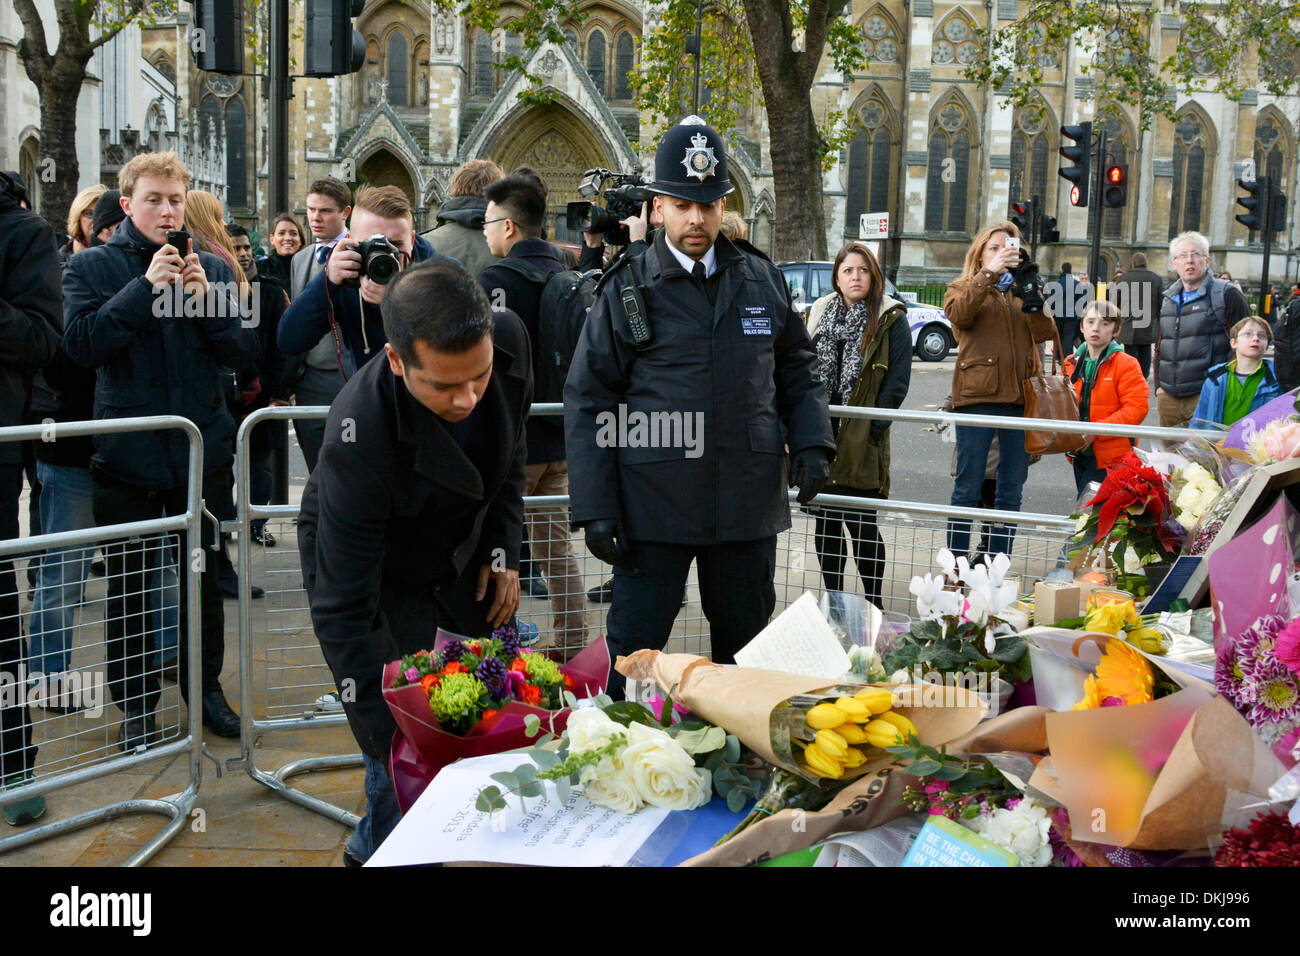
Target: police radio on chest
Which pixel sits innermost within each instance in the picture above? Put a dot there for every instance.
(635, 312)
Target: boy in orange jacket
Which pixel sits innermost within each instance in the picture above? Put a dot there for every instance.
(1110, 387)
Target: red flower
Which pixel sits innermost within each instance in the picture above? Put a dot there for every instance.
(569, 682)
(429, 681)
(1131, 486)
(455, 667)
(531, 694)
(489, 714)
(519, 664)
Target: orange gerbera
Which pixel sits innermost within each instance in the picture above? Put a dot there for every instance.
(454, 667)
(429, 681)
(1123, 677)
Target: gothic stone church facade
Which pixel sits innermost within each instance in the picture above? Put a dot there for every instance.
(939, 153)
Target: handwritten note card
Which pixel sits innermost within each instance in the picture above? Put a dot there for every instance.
(799, 641)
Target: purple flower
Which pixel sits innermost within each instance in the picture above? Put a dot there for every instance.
(1227, 674)
(1275, 698)
(517, 680)
(412, 675)
(452, 651)
(493, 674)
(509, 637)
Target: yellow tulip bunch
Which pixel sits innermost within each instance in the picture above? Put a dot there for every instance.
(841, 729)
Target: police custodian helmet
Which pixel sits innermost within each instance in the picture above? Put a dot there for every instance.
(691, 163)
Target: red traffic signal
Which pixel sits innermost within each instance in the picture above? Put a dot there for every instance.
(1115, 192)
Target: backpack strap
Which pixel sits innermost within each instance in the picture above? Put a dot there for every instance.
(532, 273)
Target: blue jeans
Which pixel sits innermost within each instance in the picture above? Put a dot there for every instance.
(382, 813)
(61, 581)
(972, 458)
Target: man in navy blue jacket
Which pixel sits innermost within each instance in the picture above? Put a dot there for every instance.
(156, 322)
(326, 303)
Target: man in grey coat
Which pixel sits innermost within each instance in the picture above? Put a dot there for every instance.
(459, 232)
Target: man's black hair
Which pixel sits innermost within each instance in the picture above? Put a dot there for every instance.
(1066, 268)
(522, 198)
(438, 303)
(234, 229)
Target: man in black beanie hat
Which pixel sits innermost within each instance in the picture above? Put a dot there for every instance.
(108, 213)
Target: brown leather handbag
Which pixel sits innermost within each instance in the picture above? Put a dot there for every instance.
(1051, 396)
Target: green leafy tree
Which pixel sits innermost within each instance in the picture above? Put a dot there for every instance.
(1218, 49)
(82, 27)
(780, 41)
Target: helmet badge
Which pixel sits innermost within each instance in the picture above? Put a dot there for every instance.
(699, 159)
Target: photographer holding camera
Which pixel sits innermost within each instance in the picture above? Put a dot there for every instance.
(627, 222)
(996, 310)
(345, 296)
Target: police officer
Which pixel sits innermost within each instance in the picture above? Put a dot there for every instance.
(692, 377)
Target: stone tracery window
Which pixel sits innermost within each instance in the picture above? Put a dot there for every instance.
(956, 41)
(1192, 179)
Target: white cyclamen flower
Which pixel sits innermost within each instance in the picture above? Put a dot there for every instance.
(664, 774)
(1023, 830)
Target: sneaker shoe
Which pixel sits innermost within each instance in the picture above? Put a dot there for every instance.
(330, 703)
(263, 537)
(602, 593)
(98, 569)
(22, 812)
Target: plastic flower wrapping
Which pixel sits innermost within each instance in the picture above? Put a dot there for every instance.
(1258, 671)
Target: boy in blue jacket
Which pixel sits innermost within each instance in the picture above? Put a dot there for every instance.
(1236, 388)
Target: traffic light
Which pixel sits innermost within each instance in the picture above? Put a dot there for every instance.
(1115, 192)
(333, 48)
(217, 38)
(1253, 217)
(1081, 157)
(1050, 232)
(1020, 216)
(1277, 215)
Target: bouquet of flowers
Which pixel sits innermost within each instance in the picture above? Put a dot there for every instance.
(1130, 513)
(1110, 614)
(624, 756)
(973, 792)
(1269, 840)
(469, 681)
(960, 631)
(1123, 676)
(1193, 490)
(466, 698)
(1258, 671)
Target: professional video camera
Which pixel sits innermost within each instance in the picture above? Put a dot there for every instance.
(624, 195)
(378, 261)
(1028, 284)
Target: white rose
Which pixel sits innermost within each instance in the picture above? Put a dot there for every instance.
(590, 729)
(664, 773)
(1023, 831)
(616, 790)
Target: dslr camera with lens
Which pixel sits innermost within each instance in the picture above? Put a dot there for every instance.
(624, 195)
(379, 261)
(1028, 284)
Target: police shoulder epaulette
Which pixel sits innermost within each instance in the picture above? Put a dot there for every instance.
(618, 265)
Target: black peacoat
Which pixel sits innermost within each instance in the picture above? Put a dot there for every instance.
(396, 521)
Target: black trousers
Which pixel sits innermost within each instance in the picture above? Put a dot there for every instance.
(736, 592)
(868, 546)
(17, 755)
(133, 686)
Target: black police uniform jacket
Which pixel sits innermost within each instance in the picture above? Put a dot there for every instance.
(744, 362)
(394, 511)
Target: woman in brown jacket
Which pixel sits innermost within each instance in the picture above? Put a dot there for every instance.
(995, 334)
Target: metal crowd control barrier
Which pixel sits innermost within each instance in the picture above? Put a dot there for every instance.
(79, 746)
(283, 695)
(291, 691)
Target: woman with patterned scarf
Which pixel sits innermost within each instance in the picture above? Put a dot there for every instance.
(864, 355)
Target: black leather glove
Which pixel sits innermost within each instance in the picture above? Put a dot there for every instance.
(605, 539)
(810, 469)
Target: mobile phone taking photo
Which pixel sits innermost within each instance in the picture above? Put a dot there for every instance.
(179, 240)
(1013, 242)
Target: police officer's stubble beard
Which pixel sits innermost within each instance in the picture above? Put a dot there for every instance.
(683, 220)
